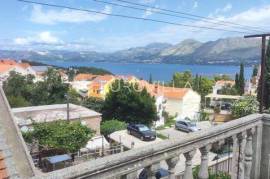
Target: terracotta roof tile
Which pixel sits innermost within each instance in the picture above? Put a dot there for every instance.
(167, 92)
(4, 68)
(3, 170)
(84, 77)
(225, 82)
(104, 78)
(24, 65)
(8, 62)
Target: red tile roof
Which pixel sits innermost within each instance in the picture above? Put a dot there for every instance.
(4, 68)
(167, 92)
(3, 170)
(84, 77)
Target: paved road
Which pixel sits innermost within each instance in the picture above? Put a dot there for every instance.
(127, 140)
(172, 133)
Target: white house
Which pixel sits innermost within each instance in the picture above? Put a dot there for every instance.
(182, 102)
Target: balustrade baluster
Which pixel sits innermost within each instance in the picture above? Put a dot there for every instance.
(188, 170)
(203, 172)
(248, 153)
(171, 162)
(242, 142)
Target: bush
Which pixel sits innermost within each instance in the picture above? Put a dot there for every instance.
(245, 106)
(63, 135)
(218, 175)
(111, 126)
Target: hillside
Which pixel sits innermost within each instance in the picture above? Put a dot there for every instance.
(229, 51)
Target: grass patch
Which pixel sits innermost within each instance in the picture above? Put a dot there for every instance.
(161, 136)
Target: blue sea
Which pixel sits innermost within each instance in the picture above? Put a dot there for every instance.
(160, 72)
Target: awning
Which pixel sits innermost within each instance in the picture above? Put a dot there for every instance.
(97, 143)
(221, 96)
(58, 158)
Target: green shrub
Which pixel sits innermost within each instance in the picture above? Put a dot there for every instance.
(245, 106)
(217, 175)
(111, 126)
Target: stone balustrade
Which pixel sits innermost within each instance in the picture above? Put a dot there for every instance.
(245, 135)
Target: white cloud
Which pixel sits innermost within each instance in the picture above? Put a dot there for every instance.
(150, 11)
(195, 5)
(148, 1)
(225, 9)
(167, 33)
(41, 38)
(39, 15)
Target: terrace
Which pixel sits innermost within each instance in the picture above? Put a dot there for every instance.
(248, 137)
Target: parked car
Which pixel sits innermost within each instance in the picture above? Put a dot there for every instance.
(226, 106)
(187, 126)
(141, 131)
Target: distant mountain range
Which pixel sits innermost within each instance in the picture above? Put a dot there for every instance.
(228, 51)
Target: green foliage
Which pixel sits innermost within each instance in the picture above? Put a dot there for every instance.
(204, 116)
(245, 106)
(71, 74)
(92, 70)
(93, 103)
(74, 97)
(266, 97)
(17, 101)
(150, 79)
(111, 126)
(218, 175)
(222, 77)
(228, 90)
(205, 86)
(241, 80)
(169, 122)
(61, 135)
(180, 80)
(255, 70)
(161, 136)
(127, 102)
(22, 91)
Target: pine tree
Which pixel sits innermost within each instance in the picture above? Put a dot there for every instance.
(241, 80)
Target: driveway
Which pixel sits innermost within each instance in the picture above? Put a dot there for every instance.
(129, 140)
(172, 133)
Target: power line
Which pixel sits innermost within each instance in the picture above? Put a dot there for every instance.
(172, 15)
(188, 14)
(130, 17)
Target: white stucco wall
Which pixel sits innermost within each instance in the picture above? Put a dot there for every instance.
(189, 106)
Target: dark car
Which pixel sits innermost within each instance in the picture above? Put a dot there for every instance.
(141, 131)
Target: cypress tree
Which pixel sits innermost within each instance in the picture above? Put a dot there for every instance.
(266, 97)
(237, 82)
(150, 79)
(241, 80)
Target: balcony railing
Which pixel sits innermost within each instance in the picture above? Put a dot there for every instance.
(244, 133)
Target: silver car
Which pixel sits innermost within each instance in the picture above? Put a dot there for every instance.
(187, 126)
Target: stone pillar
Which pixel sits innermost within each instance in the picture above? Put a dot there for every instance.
(265, 146)
(171, 162)
(188, 170)
(248, 153)
(203, 172)
(242, 142)
(235, 157)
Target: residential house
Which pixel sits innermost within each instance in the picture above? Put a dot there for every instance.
(25, 116)
(222, 83)
(180, 102)
(81, 82)
(8, 65)
(100, 86)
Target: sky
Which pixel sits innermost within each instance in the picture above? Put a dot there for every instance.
(30, 27)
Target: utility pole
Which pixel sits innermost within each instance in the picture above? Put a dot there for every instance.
(263, 52)
(67, 97)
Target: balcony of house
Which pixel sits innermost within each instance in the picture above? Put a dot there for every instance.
(247, 137)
